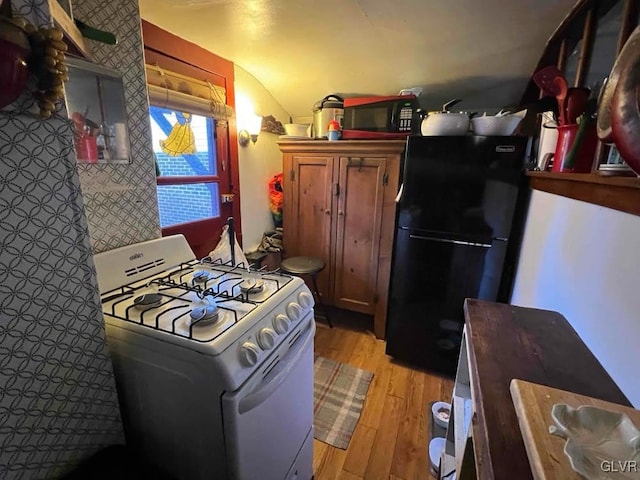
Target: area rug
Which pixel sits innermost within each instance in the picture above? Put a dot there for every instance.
(339, 394)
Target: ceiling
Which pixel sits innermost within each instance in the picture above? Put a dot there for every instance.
(301, 50)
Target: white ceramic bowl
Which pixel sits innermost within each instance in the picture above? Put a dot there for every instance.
(592, 434)
(492, 125)
(445, 124)
(296, 129)
(441, 412)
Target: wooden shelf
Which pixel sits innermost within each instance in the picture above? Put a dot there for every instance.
(447, 463)
(459, 427)
(462, 409)
(618, 193)
(462, 390)
(72, 35)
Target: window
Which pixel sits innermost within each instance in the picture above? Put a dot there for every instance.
(185, 149)
(197, 190)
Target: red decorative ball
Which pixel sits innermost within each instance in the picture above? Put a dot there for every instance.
(14, 51)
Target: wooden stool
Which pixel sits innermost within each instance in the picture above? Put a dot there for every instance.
(310, 266)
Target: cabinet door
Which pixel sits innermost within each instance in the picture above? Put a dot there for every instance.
(359, 216)
(307, 221)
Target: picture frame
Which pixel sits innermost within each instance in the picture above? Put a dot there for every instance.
(94, 97)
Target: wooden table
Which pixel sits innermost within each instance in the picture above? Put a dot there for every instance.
(538, 346)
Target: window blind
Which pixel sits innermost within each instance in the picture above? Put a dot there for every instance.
(178, 92)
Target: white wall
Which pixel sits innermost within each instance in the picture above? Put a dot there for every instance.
(583, 261)
(258, 162)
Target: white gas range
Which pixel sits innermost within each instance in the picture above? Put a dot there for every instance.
(213, 363)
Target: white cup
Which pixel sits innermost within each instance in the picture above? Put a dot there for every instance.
(120, 142)
(548, 137)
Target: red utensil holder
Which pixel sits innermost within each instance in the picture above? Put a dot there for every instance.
(584, 159)
(87, 149)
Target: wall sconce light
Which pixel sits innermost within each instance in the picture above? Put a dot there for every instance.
(253, 124)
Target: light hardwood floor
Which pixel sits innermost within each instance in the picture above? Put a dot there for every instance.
(391, 438)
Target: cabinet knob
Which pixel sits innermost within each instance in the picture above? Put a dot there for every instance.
(340, 212)
(327, 211)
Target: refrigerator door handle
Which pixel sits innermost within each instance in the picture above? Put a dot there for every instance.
(399, 196)
(455, 242)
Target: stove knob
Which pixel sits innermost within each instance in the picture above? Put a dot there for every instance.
(267, 338)
(294, 311)
(305, 299)
(281, 323)
(249, 354)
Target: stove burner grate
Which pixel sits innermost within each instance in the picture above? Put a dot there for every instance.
(222, 283)
(147, 300)
(252, 286)
(206, 314)
(201, 276)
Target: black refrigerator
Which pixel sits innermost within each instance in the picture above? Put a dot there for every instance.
(460, 216)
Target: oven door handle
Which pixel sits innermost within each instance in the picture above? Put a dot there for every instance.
(281, 372)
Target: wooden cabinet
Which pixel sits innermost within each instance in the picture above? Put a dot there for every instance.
(339, 205)
(308, 185)
(357, 239)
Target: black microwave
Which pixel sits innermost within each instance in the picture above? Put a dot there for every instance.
(380, 117)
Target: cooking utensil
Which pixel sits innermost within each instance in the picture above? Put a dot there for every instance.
(576, 103)
(625, 105)
(544, 79)
(450, 103)
(580, 155)
(445, 122)
(628, 52)
(560, 83)
(93, 33)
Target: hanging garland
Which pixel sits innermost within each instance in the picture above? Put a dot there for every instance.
(47, 64)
